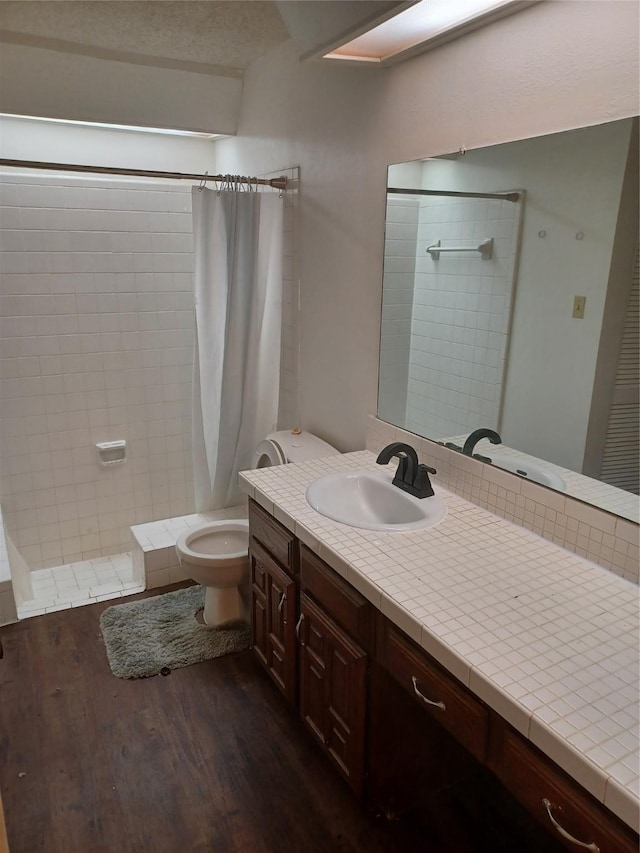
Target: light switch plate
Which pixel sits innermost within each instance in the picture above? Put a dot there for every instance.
(578, 306)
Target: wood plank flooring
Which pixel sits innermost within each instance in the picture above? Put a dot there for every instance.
(205, 760)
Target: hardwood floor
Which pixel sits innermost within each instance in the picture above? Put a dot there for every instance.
(208, 758)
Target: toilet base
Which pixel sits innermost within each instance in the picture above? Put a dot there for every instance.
(222, 605)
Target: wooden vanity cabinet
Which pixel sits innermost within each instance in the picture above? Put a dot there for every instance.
(273, 555)
(427, 732)
(335, 634)
(388, 716)
(575, 818)
(571, 817)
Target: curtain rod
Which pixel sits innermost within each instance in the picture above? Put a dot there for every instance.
(514, 196)
(276, 183)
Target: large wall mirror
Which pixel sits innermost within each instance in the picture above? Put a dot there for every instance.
(510, 302)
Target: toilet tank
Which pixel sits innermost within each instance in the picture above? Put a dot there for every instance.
(303, 446)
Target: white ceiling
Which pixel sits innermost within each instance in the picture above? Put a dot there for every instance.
(93, 61)
(227, 35)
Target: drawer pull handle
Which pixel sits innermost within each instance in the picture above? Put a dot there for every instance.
(440, 705)
(298, 629)
(283, 598)
(563, 832)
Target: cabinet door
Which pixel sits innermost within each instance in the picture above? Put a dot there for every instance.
(333, 672)
(273, 615)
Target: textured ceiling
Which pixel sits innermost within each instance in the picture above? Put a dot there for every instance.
(230, 34)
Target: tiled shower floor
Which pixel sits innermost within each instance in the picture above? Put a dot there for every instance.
(81, 583)
(104, 578)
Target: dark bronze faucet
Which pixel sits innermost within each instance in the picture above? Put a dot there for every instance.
(475, 437)
(410, 476)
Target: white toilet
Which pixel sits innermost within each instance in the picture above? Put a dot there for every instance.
(216, 554)
(287, 446)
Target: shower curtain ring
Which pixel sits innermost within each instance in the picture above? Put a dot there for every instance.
(203, 182)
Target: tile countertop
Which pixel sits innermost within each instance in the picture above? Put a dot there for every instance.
(547, 639)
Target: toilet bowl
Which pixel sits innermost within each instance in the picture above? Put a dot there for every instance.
(216, 554)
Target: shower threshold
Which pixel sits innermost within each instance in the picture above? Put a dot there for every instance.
(77, 584)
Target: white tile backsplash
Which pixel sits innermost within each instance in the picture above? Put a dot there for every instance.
(593, 533)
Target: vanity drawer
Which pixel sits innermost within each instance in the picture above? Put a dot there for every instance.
(559, 803)
(447, 701)
(278, 541)
(352, 612)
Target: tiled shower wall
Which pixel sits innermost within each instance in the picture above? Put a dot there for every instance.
(96, 344)
(461, 314)
(401, 232)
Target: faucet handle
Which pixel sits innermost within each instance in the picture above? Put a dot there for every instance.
(422, 487)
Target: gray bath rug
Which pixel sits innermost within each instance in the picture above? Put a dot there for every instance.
(158, 634)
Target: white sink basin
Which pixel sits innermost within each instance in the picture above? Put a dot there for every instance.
(528, 470)
(368, 500)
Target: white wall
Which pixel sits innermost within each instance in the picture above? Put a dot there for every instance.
(554, 66)
(26, 139)
(41, 82)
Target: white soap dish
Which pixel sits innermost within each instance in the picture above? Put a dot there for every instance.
(112, 452)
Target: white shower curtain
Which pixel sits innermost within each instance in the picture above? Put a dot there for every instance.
(238, 299)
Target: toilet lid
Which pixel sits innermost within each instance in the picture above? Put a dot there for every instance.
(268, 453)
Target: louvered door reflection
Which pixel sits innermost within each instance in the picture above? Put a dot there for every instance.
(620, 457)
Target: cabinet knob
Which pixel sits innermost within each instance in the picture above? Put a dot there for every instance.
(590, 845)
